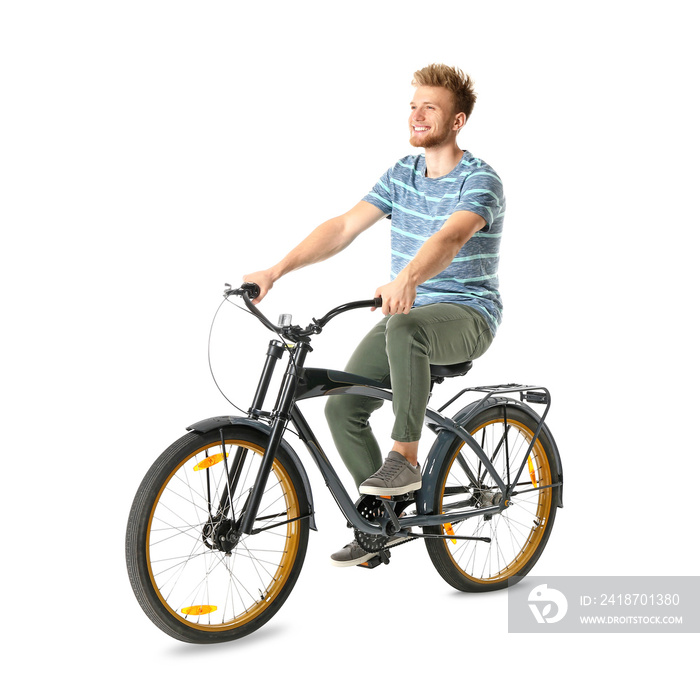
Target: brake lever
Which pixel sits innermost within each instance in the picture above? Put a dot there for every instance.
(250, 289)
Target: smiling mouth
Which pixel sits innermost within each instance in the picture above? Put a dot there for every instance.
(416, 128)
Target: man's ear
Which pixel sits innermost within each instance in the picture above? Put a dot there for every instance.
(459, 121)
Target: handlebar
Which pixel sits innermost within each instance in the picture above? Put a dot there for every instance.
(249, 291)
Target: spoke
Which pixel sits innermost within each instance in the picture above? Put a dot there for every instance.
(248, 555)
(255, 561)
(198, 586)
(185, 560)
(179, 532)
(174, 578)
(185, 481)
(166, 507)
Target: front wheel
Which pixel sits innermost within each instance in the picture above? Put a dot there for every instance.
(517, 536)
(194, 575)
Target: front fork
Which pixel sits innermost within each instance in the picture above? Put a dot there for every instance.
(280, 418)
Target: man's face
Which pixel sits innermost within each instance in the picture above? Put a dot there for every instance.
(432, 119)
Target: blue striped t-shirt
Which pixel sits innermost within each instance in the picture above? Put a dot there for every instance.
(419, 206)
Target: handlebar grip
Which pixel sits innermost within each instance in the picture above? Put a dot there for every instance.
(377, 302)
(253, 289)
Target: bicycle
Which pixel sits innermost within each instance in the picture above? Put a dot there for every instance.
(218, 529)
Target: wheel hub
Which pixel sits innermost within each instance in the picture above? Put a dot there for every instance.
(222, 535)
(490, 498)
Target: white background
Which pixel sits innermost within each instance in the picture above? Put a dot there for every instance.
(152, 151)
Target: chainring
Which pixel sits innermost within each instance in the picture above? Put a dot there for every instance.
(370, 508)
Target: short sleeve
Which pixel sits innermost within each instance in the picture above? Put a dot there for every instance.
(482, 193)
(381, 194)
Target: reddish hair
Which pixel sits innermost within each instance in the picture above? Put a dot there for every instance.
(459, 84)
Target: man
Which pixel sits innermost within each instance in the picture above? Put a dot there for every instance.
(442, 305)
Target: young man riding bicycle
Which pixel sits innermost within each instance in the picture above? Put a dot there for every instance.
(442, 305)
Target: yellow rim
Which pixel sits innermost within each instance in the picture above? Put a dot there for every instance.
(290, 533)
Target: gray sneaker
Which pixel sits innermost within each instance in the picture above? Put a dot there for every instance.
(396, 476)
(352, 554)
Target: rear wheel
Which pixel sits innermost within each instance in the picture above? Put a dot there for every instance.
(195, 576)
(520, 532)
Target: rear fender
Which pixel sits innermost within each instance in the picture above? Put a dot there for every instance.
(445, 438)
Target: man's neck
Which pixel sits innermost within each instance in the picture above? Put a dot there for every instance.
(441, 160)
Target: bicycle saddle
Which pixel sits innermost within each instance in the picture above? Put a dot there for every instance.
(442, 371)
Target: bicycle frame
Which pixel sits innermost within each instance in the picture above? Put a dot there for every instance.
(300, 383)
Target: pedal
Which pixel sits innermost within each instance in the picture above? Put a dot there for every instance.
(403, 497)
(408, 496)
(376, 560)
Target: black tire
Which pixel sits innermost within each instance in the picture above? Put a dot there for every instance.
(190, 585)
(520, 532)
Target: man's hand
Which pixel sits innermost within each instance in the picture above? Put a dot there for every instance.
(397, 296)
(264, 279)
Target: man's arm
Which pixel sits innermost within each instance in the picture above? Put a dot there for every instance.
(434, 256)
(328, 239)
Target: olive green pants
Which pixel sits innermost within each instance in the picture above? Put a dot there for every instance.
(398, 352)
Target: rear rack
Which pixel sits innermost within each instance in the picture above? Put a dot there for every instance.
(529, 393)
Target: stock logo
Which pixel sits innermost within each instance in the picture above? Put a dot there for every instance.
(540, 601)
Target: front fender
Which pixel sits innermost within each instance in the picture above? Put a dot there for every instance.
(220, 421)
